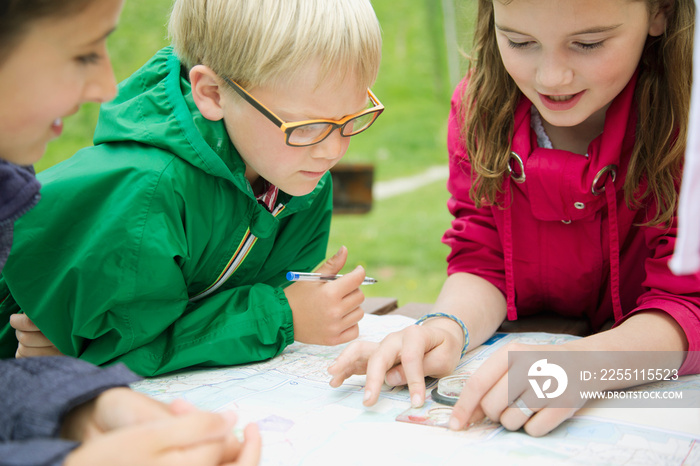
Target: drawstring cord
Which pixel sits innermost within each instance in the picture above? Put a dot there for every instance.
(511, 313)
(614, 235)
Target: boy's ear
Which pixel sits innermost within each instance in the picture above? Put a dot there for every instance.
(657, 25)
(206, 92)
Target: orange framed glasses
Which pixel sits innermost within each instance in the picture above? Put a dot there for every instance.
(310, 132)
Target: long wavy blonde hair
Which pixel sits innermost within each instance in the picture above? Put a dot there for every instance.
(662, 96)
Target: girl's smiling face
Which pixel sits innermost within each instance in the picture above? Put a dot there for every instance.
(60, 63)
(571, 58)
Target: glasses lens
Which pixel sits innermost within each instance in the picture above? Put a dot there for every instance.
(359, 124)
(308, 134)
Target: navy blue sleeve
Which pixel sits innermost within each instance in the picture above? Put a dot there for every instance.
(35, 395)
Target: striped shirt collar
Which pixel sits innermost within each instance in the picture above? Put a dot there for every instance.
(268, 198)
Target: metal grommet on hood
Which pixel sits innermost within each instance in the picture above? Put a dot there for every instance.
(518, 178)
(594, 186)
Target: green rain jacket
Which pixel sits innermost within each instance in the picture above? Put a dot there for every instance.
(130, 230)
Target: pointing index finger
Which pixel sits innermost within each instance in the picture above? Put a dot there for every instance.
(387, 356)
(477, 386)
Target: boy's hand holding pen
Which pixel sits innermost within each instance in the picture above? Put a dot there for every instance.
(326, 306)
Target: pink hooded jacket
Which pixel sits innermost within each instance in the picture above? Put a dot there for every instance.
(567, 242)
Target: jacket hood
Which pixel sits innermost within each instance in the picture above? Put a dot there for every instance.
(155, 107)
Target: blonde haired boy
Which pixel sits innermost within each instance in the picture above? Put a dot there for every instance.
(166, 244)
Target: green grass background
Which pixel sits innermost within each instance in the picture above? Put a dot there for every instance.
(398, 242)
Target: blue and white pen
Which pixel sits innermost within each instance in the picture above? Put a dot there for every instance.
(318, 277)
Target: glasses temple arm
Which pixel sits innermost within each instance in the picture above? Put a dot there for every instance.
(252, 101)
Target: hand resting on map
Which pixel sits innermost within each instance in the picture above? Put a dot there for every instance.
(123, 427)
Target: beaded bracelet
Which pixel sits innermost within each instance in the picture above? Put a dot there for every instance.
(456, 319)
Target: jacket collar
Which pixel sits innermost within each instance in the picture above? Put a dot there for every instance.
(559, 182)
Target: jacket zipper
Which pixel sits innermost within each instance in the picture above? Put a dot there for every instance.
(236, 260)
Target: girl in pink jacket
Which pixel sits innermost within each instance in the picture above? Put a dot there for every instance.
(566, 143)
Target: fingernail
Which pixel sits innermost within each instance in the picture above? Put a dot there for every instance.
(367, 396)
(454, 424)
(416, 401)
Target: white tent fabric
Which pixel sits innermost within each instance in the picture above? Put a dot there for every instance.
(686, 257)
